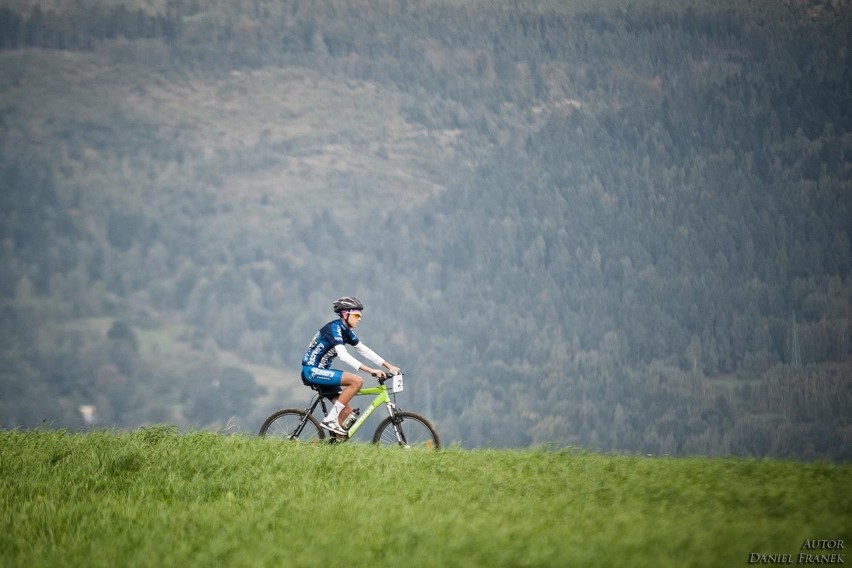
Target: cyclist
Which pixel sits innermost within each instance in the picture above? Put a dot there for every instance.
(330, 342)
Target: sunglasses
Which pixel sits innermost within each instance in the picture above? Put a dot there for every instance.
(356, 315)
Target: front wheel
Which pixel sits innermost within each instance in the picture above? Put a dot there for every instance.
(409, 430)
(293, 424)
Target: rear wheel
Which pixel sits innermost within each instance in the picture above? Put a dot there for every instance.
(292, 424)
(415, 431)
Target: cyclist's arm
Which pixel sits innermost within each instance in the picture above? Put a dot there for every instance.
(347, 358)
(368, 353)
(355, 363)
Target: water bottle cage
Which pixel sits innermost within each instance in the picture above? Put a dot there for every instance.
(351, 419)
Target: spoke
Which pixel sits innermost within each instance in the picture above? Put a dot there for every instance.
(286, 425)
(415, 433)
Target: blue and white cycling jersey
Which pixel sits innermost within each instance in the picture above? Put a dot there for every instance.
(330, 342)
(321, 352)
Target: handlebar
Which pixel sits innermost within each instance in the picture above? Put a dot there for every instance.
(388, 376)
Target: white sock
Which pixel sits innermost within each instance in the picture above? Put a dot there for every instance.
(335, 411)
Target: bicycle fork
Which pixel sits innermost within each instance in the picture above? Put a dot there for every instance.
(396, 422)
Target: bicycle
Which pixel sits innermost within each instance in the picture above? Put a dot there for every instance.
(403, 428)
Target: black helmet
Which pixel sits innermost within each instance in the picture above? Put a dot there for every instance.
(347, 303)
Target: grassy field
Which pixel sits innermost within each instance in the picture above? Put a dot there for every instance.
(158, 497)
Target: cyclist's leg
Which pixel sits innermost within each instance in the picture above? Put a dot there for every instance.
(329, 381)
(352, 383)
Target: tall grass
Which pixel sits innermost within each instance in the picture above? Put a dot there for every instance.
(156, 497)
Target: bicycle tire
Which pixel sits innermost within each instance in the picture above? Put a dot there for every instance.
(283, 424)
(417, 430)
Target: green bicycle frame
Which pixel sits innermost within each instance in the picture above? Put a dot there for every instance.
(382, 397)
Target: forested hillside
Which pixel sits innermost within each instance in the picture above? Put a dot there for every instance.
(620, 225)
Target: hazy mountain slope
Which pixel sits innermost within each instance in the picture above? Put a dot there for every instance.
(571, 223)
